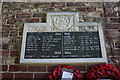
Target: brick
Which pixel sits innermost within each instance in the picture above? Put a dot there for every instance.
(111, 14)
(5, 53)
(117, 45)
(42, 4)
(5, 46)
(117, 4)
(74, 4)
(49, 9)
(43, 20)
(32, 20)
(26, 5)
(15, 47)
(6, 40)
(23, 76)
(3, 60)
(115, 52)
(4, 67)
(6, 27)
(90, 9)
(113, 32)
(115, 59)
(14, 53)
(11, 21)
(13, 33)
(17, 60)
(113, 20)
(105, 32)
(40, 76)
(37, 68)
(112, 26)
(25, 15)
(80, 67)
(57, 4)
(17, 39)
(50, 68)
(82, 9)
(15, 68)
(110, 5)
(108, 9)
(18, 21)
(88, 67)
(119, 13)
(7, 76)
(39, 15)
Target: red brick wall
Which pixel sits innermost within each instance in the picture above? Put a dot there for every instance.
(15, 14)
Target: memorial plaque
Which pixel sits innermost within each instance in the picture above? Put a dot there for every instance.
(63, 40)
(62, 45)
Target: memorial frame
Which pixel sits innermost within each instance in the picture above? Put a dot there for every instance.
(68, 60)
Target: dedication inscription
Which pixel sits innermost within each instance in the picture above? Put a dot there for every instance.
(62, 45)
(63, 40)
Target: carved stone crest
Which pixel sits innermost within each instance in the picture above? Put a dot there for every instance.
(62, 21)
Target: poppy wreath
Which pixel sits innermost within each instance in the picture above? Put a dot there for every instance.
(103, 70)
(56, 74)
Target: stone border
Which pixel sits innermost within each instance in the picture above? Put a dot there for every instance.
(65, 61)
(60, 0)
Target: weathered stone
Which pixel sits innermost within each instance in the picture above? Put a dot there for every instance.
(33, 10)
(81, 19)
(10, 61)
(39, 9)
(25, 10)
(81, 14)
(93, 14)
(14, 47)
(99, 9)
(49, 9)
(6, 40)
(92, 4)
(65, 9)
(116, 9)
(57, 9)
